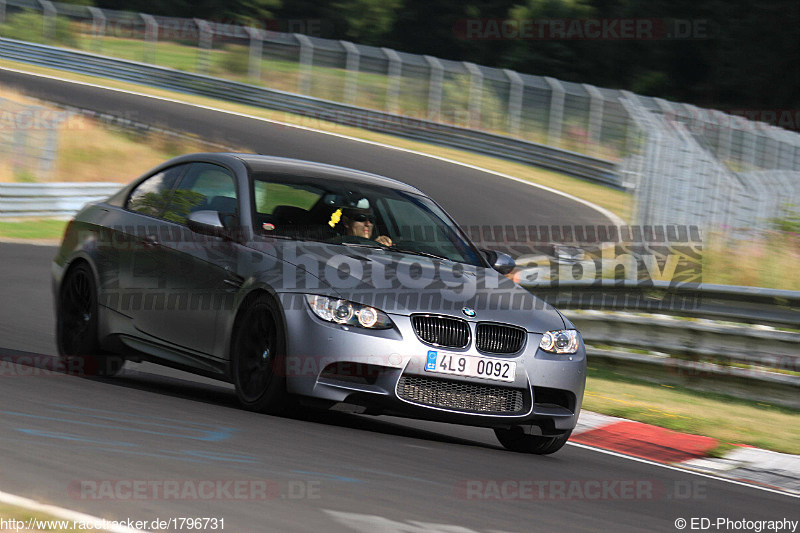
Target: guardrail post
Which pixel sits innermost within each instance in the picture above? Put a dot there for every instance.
(47, 161)
(724, 138)
(204, 43)
(256, 49)
(515, 88)
(750, 143)
(773, 147)
(393, 88)
(475, 93)
(150, 36)
(785, 150)
(666, 108)
(631, 127)
(351, 72)
(596, 102)
(306, 62)
(435, 86)
(98, 27)
(48, 21)
(556, 111)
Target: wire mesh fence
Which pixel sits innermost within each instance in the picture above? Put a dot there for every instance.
(28, 141)
(687, 149)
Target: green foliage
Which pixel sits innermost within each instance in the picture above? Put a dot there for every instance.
(151, 204)
(733, 48)
(651, 83)
(368, 20)
(252, 12)
(174, 206)
(456, 95)
(181, 205)
(24, 176)
(789, 222)
(29, 26)
(236, 60)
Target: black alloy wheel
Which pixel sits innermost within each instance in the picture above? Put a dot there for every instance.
(258, 351)
(77, 326)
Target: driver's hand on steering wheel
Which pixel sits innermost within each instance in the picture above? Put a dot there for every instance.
(384, 240)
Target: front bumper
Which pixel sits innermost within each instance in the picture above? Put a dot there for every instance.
(383, 372)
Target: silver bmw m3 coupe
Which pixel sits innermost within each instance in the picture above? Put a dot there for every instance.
(303, 283)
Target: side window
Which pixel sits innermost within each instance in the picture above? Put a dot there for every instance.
(270, 195)
(204, 186)
(152, 195)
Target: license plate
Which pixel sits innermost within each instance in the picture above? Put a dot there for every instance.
(470, 365)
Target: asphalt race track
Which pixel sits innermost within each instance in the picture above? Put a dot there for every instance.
(76, 442)
(83, 443)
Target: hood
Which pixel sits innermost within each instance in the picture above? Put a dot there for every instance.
(402, 284)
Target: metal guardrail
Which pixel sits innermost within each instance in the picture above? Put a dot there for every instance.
(50, 199)
(570, 163)
(696, 339)
(752, 305)
(720, 352)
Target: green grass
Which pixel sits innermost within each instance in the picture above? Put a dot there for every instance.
(727, 419)
(33, 229)
(768, 259)
(18, 513)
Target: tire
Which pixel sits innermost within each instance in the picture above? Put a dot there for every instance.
(515, 440)
(258, 349)
(77, 327)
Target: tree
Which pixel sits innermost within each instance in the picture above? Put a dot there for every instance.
(368, 21)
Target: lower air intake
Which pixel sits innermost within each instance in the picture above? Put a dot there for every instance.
(460, 396)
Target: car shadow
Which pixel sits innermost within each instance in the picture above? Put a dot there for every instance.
(187, 386)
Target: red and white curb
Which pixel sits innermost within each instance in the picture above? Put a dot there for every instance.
(743, 463)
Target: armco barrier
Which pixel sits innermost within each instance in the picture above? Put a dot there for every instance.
(19, 200)
(754, 305)
(570, 163)
(731, 348)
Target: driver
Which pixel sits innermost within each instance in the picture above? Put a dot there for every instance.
(361, 223)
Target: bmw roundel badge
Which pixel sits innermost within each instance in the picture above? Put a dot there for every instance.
(468, 311)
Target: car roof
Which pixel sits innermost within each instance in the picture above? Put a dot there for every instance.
(283, 165)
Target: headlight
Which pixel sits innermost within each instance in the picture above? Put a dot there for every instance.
(561, 341)
(347, 313)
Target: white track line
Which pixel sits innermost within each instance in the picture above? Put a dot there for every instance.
(61, 513)
(686, 470)
(615, 220)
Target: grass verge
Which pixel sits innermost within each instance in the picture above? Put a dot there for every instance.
(33, 229)
(40, 521)
(727, 419)
(766, 259)
(90, 150)
(617, 202)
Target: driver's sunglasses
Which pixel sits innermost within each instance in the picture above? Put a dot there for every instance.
(363, 218)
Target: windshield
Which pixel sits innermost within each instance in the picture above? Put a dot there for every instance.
(357, 214)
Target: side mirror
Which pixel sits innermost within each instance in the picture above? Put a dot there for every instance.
(500, 261)
(206, 223)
